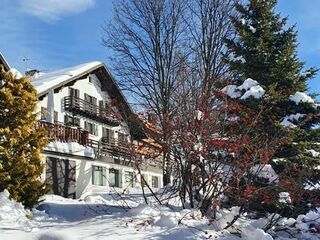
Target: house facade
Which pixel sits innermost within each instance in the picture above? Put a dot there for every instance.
(97, 142)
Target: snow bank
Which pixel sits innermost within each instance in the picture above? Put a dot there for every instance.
(166, 220)
(225, 216)
(50, 235)
(301, 97)
(93, 218)
(144, 209)
(71, 147)
(11, 211)
(12, 214)
(251, 233)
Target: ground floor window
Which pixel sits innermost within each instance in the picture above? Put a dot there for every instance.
(61, 176)
(144, 180)
(129, 179)
(98, 175)
(155, 181)
(114, 177)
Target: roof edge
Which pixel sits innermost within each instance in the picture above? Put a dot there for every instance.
(4, 61)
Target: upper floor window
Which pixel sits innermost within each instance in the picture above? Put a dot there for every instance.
(90, 99)
(44, 113)
(74, 92)
(71, 121)
(107, 135)
(122, 138)
(91, 128)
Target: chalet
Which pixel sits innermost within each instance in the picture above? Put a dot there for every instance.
(97, 141)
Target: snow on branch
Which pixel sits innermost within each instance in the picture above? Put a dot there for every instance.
(250, 86)
(301, 97)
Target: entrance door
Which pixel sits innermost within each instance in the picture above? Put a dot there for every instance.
(61, 176)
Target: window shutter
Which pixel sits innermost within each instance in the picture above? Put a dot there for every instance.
(95, 130)
(111, 136)
(55, 116)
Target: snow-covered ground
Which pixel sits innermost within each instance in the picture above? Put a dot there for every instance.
(114, 216)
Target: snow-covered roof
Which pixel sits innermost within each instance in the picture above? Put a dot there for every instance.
(4, 62)
(43, 82)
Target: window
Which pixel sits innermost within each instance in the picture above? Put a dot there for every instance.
(61, 176)
(90, 104)
(122, 138)
(129, 179)
(102, 108)
(98, 175)
(56, 118)
(91, 128)
(44, 113)
(90, 99)
(74, 92)
(71, 121)
(107, 135)
(90, 79)
(155, 182)
(114, 178)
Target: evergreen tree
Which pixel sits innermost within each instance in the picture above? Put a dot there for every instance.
(21, 141)
(266, 51)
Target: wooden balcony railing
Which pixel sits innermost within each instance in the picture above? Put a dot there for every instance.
(63, 133)
(114, 148)
(125, 150)
(84, 108)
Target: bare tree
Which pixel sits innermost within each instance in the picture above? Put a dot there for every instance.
(209, 24)
(158, 44)
(146, 38)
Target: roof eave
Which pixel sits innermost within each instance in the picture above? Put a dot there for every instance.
(4, 62)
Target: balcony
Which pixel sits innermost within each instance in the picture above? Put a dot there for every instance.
(126, 151)
(123, 150)
(84, 108)
(63, 133)
(113, 148)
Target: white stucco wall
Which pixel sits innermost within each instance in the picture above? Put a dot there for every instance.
(84, 168)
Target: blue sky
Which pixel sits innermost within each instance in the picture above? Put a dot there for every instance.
(58, 33)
